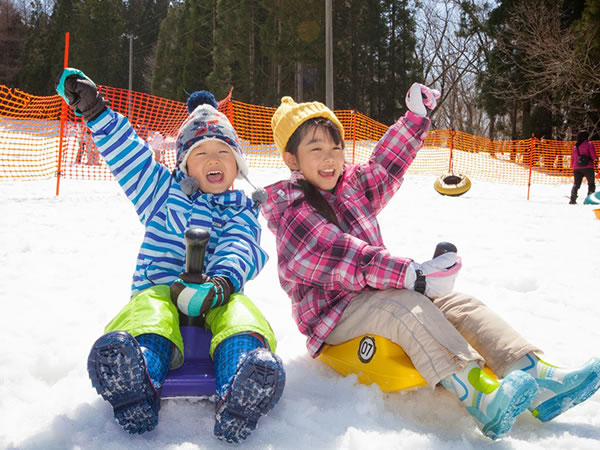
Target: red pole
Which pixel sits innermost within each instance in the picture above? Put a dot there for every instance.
(353, 136)
(530, 163)
(63, 119)
(452, 133)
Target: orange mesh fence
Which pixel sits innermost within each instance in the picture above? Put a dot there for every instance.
(29, 132)
(31, 128)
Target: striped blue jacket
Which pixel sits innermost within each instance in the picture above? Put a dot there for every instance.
(166, 212)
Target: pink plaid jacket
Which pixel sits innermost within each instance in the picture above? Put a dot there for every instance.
(322, 267)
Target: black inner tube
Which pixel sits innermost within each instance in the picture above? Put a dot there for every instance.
(452, 179)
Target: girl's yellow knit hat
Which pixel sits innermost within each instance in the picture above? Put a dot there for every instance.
(290, 115)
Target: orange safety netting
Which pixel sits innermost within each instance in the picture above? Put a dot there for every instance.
(32, 129)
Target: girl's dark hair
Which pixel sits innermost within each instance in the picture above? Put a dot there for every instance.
(582, 136)
(311, 193)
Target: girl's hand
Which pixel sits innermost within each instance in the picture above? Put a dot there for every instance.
(434, 278)
(421, 100)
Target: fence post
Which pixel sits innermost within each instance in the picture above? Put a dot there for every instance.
(353, 136)
(531, 145)
(452, 133)
(63, 119)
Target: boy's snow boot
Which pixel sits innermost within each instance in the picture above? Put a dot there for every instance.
(118, 371)
(494, 404)
(157, 351)
(560, 388)
(249, 380)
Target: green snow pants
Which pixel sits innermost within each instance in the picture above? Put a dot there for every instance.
(152, 311)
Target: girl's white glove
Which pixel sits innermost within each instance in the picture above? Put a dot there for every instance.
(421, 100)
(434, 278)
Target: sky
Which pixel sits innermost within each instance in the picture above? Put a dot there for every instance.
(66, 264)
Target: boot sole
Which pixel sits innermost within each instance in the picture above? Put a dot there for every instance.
(560, 403)
(255, 390)
(524, 390)
(117, 370)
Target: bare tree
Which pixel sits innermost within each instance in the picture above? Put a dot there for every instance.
(451, 62)
(553, 61)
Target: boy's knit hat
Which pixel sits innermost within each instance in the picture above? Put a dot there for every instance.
(206, 123)
(290, 115)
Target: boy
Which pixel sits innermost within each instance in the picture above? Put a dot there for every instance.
(128, 364)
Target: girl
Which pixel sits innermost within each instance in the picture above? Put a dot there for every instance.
(344, 283)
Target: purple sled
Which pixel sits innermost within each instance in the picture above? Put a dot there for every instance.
(196, 378)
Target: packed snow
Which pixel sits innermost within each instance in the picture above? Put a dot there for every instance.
(66, 264)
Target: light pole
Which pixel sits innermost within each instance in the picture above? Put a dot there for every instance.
(131, 38)
(328, 56)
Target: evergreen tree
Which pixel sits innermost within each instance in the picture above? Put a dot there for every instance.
(403, 69)
(34, 64)
(98, 45)
(166, 80)
(143, 19)
(13, 32)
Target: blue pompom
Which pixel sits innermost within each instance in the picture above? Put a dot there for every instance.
(201, 98)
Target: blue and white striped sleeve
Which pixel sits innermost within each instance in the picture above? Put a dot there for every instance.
(238, 254)
(131, 161)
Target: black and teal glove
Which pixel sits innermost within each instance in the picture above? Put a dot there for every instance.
(80, 93)
(196, 294)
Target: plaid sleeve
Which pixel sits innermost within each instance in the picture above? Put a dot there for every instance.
(317, 253)
(382, 176)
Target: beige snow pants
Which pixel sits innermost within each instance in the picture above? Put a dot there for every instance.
(440, 337)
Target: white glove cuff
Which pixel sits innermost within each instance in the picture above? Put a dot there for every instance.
(410, 277)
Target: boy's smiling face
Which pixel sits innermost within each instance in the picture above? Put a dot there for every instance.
(213, 165)
(319, 158)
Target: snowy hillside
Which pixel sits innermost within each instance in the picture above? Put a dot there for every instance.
(66, 264)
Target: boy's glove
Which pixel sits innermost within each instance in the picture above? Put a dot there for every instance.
(433, 278)
(421, 100)
(195, 294)
(80, 93)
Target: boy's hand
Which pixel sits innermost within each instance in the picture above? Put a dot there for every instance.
(196, 294)
(421, 100)
(80, 93)
(434, 278)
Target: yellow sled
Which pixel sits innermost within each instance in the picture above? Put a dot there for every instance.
(375, 359)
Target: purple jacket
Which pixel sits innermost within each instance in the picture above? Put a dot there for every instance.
(322, 267)
(586, 148)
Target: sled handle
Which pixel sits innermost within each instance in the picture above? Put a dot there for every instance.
(444, 247)
(196, 240)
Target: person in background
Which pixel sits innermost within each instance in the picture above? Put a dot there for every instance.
(583, 161)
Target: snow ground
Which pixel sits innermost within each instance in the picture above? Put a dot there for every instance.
(66, 264)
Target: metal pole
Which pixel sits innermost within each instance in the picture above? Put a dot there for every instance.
(131, 37)
(328, 56)
(131, 62)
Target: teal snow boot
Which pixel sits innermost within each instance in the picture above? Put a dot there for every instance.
(119, 372)
(249, 380)
(494, 404)
(560, 388)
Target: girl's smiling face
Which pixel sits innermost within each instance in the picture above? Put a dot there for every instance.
(319, 158)
(213, 165)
